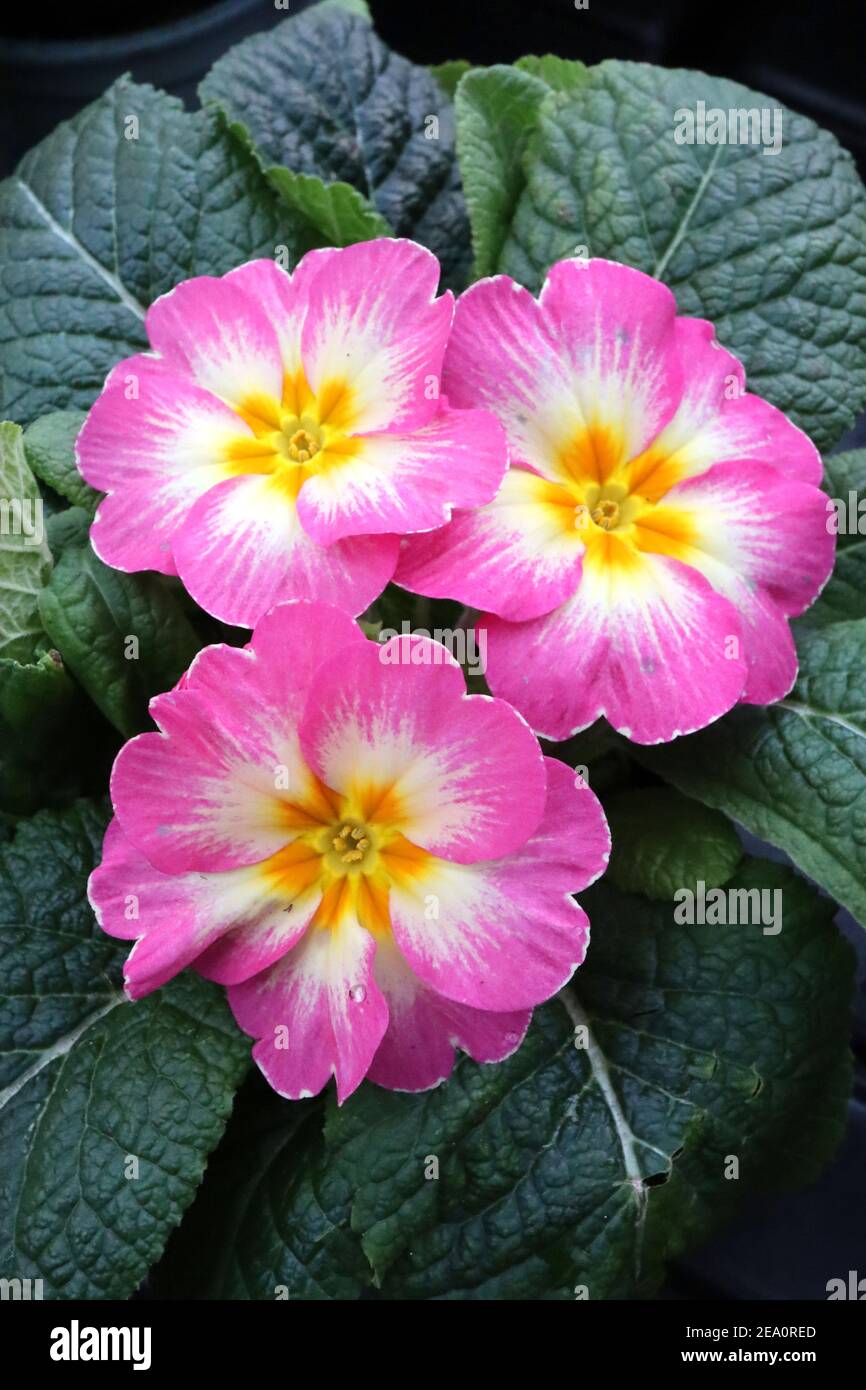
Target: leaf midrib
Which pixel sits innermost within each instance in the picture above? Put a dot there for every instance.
(108, 277)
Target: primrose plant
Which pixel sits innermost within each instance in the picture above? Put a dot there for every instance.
(426, 550)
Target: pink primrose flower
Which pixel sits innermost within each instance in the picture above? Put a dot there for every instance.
(284, 430)
(375, 864)
(659, 524)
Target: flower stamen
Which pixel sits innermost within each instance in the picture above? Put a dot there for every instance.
(351, 844)
(302, 446)
(606, 515)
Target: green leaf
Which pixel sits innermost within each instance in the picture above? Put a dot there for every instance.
(593, 1165)
(496, 109)
(559, 74)
(663, 842)
(770, 247)
(795, 772)
(37, 704)
(66, 528)
(25, 560)
(49, 444)
(337, 210)
(34, 697)
(91, 1082)
(322, 95)
(270, 1219)
(110, 211)
(449, 73)
(92, 613)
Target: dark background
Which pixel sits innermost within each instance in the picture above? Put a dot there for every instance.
(55, 58)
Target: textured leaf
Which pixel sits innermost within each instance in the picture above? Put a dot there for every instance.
(321, 94)
(794, 773)
(559, 74)
(68, 527)
(91, 612)
(49, 444)
(663, 842)
(105, 215)
(37, 701)
(771, 248)
(570, 1166)
(25, 560)
(496, 109)
(90, 1081)
(270, 1219)
(586, 1159)
(338, 211)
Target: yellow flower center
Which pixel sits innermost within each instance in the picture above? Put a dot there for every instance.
(302, 445)
(614, 507)
(349, 849)
(350, 843)
(606, 515)
(301, 433)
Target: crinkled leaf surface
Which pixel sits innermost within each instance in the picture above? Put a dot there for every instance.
(49, 444)
(565, 1168)
(496, 110)
(110, 211)
(844, 596)
(342, 214)
(795, 772)
(125, 637)
(89, 1082)
(272, 1218)
(587, 1167)
(663, 842)
(321, 94)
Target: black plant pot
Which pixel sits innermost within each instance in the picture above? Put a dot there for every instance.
(47, 80)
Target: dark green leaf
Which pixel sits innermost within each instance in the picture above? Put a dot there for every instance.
(844, 597)
(108, 1109)
(663, 842)
(322, 95)
(271, 1220)
(110, 211)
(794, 773)
(571, 1168)
(123, 636)
(49, 444)
(37, 703)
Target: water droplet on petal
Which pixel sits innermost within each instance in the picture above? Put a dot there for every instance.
(358, 993)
